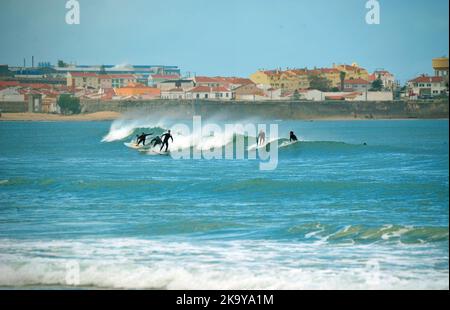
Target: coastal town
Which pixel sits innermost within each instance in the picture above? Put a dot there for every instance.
(47, 88)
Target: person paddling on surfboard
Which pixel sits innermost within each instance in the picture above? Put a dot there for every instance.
(292, 137)
(156, 141)
(166, 138)
(261, 137)
(142, 138)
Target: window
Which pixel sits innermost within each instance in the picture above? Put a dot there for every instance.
(206, 96)
(227, 95)
(198, 96)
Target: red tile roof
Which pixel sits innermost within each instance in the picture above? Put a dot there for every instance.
(220, 89)
(200, 89)
(206, 79)
(428, 79)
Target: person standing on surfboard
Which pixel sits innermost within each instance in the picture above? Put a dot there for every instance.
(292, 137)
(142, 138)
(261, 137)
(166, 138)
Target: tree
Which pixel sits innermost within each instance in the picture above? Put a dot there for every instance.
(102, 70)
(296, 95)
(342, 75)
(377, 85)
(69, 104)
(318, 82)
(335, 89)
(62, 64)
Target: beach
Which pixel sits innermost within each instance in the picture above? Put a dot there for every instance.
(44, 117)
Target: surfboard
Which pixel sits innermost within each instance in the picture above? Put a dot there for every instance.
(160, 152)
(132, 145)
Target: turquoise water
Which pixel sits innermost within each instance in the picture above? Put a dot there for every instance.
(334, 214)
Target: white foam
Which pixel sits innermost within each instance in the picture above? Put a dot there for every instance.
(144, 264)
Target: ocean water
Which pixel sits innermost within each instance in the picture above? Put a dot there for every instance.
(79, 209)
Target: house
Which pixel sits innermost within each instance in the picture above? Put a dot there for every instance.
(357, 85)
(96, 80)
(173, 94)
(156, 79)
(427, 86)
(206, 92)
(288, 80)
(208, 81)
(171, 84)
(249, 92)
(83, 80)
(11, 94)
(138, 90)
(386, 77)
(353, 71)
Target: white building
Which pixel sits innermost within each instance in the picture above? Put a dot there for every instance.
(173, 94)
(11, 94)
(386, 77)
(356, 85)
(206, 92)
(427, 86)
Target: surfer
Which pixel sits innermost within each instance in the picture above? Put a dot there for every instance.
(166, 138)
(156, 141)
(142, 138)
(292, 137)
(261, 137)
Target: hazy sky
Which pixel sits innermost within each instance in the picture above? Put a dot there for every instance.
(232, 37)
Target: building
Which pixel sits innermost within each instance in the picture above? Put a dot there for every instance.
(249, 92)
(440, 67)
(156, 79)
(138, 90)
(353, 72)
(206, 92)
(357, 85)
(11, 94)
(288, 80)
(4, 70)
(428, 86)
(173, 94)
(96, 81)
(386, 77)
(143, 70)
(171, 84)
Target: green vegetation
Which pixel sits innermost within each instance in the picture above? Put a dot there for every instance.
(318, 82)
(62, 64)
(342, 75)
(377, 85)
(69, 104)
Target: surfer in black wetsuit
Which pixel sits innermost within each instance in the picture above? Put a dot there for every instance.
(156, 141)
(292, 137)
(166, 138)
(142, 138)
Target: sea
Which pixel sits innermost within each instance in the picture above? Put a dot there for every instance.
(361, 204)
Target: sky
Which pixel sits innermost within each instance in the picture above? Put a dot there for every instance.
(232, 37)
